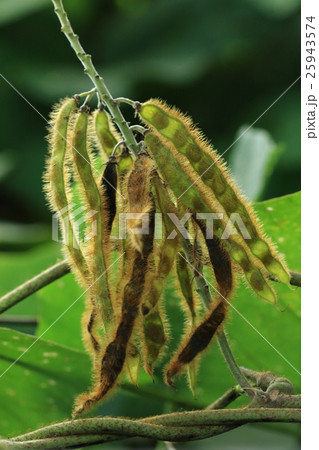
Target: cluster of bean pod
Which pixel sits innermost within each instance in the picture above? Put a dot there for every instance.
(176, 172)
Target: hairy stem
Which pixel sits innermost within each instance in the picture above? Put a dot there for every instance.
(191, 425)
(96, 79)
(230, 395)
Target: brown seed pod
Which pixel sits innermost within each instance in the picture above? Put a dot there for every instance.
(203, 334)
(114, 356)
(109, 187)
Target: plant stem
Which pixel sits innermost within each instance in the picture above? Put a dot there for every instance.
(191, 425)
(230, 395)
(232, 364)
(96, 79)
(16, 320)
(31, 286)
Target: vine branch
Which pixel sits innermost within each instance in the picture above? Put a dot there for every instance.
(35, 284)
(186, 426)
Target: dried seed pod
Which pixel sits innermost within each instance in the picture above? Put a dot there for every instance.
(220, 262)
(177, 178)
(98, 251)
(56, 187)
(197, 342)
(105, 134)
(109, 188)
(202, 336)
(114, 356)
(209, 173)
(139, 201)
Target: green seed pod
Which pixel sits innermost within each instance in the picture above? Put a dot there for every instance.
(133, 361)
(105, 135)
(192, 368)
(167, 250)
(177, 178)
(185, 281)
(185, 284)
(99, 252)
(212, 179)
(55, 185)
(154, 330)
(154, 338)
(125, 162)
(90, 325)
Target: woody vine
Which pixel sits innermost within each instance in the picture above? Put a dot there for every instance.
(161, 165)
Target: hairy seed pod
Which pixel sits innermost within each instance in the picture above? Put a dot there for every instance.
(90, 325)
(198, 341)
(212, 179)
(55, 185)
(125, 162)
(203, 334)
(185, 284)
(98, 261)
(106, 135)
(139, 201)
(57, 192)
(220, 262)
(154, 329)
(177, 178)
(185, 281)
(132, 364)
(109, 187)
(115, 354)
(168, 248)
(154, 338)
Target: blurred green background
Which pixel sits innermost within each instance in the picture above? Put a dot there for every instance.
(224, 63)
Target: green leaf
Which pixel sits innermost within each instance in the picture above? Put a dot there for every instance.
(17, 236)
(253, 160)
(54, 301)
(40, 387)
(18, 267)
